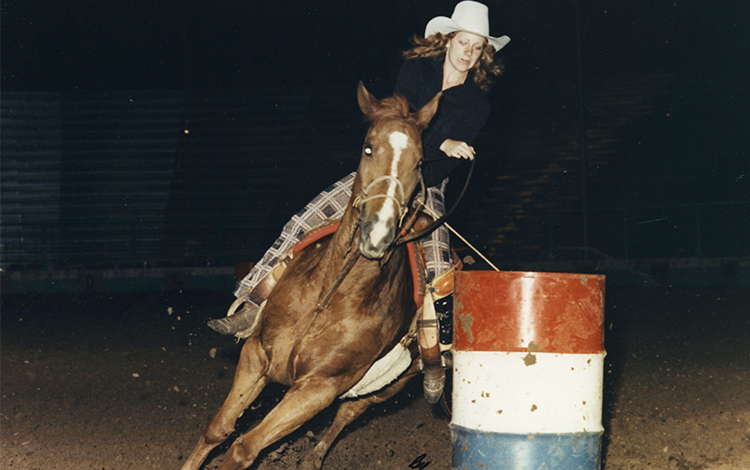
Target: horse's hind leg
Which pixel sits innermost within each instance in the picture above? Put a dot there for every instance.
(348, 412)
(301, 402)
(249, 380)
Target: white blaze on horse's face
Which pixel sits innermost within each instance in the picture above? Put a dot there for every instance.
(383, 228)
(391, 175)
(388, 169)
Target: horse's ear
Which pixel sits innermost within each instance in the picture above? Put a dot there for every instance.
(425, 115)
(367, 102)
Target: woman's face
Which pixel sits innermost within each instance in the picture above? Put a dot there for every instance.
(464, 50)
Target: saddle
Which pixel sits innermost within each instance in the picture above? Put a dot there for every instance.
(416, 257)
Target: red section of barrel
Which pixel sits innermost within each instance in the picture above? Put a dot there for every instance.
(528, 312)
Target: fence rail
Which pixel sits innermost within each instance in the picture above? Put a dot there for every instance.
(671, 231)
(178, 178)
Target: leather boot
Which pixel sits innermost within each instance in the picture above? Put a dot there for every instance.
(245, 322)
(429, 347)
(240, 321)
(433, 369)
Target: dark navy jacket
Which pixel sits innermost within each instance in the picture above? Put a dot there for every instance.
(462, 112)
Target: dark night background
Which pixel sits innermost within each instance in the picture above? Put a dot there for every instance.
(132, 45)
(149, 151)
(663, 97)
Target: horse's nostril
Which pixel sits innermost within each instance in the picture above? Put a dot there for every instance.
(375, 237)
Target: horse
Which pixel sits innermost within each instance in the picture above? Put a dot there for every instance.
(340, 305)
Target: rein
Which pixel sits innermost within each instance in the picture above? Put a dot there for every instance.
(437, 223)
(402, 238)
(413, 218)
(337, 282)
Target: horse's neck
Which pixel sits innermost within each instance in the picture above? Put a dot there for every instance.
(342, 243)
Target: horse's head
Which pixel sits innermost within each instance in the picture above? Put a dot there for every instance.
(389, 167)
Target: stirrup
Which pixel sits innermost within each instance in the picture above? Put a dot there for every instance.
(243, 323)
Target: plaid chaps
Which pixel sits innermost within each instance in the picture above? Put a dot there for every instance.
(330, 205)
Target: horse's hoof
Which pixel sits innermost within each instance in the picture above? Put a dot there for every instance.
(434, 381)
(233, 324)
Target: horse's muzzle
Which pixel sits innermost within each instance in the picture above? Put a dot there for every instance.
(375, 237)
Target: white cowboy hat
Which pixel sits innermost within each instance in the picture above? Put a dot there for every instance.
(472, 17)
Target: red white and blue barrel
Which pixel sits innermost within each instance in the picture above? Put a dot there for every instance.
(528, 365)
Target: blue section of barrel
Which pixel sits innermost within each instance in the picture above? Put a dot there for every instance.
(473, 449)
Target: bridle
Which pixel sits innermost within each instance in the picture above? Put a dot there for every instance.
(363, 196)
(403, 236)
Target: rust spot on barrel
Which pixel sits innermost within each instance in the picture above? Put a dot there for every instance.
(466, 321)
(529, 359)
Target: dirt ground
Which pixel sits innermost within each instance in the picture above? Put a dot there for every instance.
(128, 381)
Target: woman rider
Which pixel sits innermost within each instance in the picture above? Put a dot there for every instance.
(455, 57)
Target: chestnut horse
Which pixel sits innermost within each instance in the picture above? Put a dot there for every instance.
(322, 329)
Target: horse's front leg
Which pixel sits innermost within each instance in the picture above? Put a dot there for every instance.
(249, 380)
(348, 412)
(301, 402)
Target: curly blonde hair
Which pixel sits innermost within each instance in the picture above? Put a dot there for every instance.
(434, 47)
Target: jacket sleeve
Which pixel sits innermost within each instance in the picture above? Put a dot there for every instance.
(462, 127)
(458, 118)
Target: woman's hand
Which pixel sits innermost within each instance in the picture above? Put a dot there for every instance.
(457, 149)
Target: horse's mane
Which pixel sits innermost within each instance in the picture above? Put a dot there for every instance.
(394, 107)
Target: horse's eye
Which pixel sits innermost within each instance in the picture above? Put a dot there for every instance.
(367, 150)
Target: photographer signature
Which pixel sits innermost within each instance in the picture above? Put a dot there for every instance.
(419, 462)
